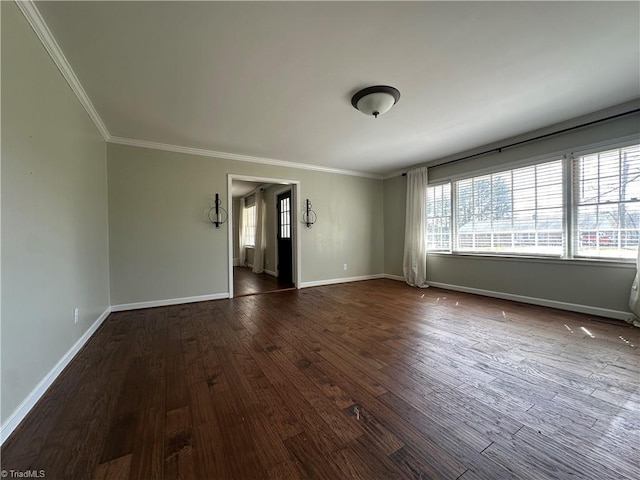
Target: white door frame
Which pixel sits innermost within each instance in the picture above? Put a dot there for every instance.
(297, 246)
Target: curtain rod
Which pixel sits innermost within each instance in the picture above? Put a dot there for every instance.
(539, 137)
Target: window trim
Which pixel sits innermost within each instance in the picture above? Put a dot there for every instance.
(567, 157)
(605, 262)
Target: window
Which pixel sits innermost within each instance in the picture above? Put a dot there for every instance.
(439, 217)
(517, 211)
(607, 203)
(284, 209)
(525, 211)
(250, 225)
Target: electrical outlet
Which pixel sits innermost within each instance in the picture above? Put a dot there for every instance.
(345, 266)
(76, 314)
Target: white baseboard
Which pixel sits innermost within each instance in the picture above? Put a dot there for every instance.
(333, 281)
(27, 404)
(236, 262)
(169, 301)
(399, 278)
(573, 307)
(271, 272)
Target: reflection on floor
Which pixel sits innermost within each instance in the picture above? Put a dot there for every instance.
(245, 282)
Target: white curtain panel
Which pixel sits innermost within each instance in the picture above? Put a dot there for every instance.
(241, 239)
(415, 241)
(634, 299)
(258, 253)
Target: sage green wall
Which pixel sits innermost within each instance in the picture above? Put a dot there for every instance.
(395, 198)
(54, 214)
(606, 131)
(582, 283)
(161, 246)
(579, 282)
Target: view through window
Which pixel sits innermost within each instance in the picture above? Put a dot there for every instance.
(523, 211)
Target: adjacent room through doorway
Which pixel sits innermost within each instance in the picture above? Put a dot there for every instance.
(263, 236)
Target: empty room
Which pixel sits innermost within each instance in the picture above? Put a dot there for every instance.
(320, 240)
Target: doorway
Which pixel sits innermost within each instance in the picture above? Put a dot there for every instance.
(262, 212)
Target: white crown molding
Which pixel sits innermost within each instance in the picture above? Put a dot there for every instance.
(31, 13)
(234, 156)
(394, 174)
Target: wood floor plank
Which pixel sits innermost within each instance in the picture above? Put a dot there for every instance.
(369, 379)
(313, 463)
(211, 462)
(179, 461)
(402, 430)
(245, 282)
(534, 456)
(354, 461)
(116, 469)
(285, 471)
(122, 432)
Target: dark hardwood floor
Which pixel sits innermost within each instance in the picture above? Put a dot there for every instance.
(245, 282)
(368, 380)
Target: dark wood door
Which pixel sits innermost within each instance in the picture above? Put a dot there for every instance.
(285, 246)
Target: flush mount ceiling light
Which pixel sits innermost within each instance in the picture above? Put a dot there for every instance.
(375, 100)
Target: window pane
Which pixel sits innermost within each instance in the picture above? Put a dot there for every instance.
(439, 217)
(517, 211)
(630, 173)
(607, 203)
(285, 217)
(589, 191)
(549, 195)
(250, 225)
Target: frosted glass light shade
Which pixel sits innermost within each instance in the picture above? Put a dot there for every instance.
(375, 100)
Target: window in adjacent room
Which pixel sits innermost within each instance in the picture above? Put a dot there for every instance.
(250, 225)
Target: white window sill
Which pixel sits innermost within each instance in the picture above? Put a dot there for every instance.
(604, 262)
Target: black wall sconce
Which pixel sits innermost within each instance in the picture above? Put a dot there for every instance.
(217, 214)
(309, 217)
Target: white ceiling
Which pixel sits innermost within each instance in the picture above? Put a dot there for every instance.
(240, 188)
(274, 80)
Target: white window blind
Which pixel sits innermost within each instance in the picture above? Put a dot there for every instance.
(606, 189)
(250, 201)
(439, 217)
(517, 211)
